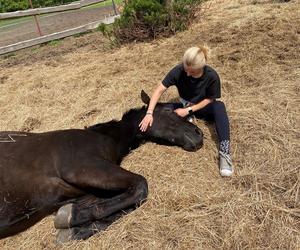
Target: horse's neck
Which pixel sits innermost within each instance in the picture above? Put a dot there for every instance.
(129, 131)
(123, 132)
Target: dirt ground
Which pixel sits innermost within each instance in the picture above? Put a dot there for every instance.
(52, 23)
(82, 81)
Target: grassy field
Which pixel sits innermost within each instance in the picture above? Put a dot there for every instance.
(105, 3)
(82, 81)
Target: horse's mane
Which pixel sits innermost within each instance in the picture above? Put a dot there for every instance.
(127, 115)
(99, 126)
(133, 112)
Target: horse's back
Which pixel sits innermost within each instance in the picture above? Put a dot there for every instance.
(21, 150)
(28, 154)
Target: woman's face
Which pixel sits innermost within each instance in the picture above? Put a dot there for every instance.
(196, 73)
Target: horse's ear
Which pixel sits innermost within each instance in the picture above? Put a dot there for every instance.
(145, 98)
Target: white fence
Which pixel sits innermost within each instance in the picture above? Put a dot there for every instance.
(55, 35)
(37, 11)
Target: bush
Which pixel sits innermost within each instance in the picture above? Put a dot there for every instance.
(9, 5)
(147, 19)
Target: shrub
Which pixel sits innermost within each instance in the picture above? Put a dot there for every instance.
(9, 5)
(147, 19)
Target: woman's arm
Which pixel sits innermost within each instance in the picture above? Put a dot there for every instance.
(155, 97)
(148, 119)
(201, 104)
(185, 111)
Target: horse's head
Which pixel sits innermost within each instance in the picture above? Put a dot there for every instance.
(171, 128)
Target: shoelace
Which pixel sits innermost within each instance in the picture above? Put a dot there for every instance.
(226, 157)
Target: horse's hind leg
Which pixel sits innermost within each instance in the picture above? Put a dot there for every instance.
(80, 233)
(85, 231)
(133, 189)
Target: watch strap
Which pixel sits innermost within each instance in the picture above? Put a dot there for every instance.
(190, 110)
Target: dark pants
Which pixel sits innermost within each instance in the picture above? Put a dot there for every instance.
(214, 112)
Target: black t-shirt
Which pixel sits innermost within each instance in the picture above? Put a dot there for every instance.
(194, 89)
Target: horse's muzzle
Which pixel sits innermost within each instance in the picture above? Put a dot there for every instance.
(195, 142)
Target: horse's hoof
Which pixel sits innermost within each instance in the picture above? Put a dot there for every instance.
(75, 233)
(65, 235)
(63, 217)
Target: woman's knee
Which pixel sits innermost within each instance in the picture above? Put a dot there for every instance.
(218, 106)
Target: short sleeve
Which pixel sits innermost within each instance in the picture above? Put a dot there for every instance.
(172, 77)
(213, 90)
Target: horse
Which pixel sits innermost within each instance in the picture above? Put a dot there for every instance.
(76, 173)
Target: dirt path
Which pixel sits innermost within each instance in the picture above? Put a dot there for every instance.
(51, 23)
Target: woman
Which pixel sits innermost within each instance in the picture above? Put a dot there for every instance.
(198, 86)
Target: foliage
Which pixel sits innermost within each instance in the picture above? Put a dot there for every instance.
(54, 42)
(107, 31)
(147, 19)
(8, 5)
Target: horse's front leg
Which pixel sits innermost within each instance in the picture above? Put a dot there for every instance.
(104, 176)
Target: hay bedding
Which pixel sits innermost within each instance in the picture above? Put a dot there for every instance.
(255, 48)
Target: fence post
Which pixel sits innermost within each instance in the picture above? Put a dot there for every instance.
(115, 9)
(36, 20)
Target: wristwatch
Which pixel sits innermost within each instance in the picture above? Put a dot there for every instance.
(190, 110)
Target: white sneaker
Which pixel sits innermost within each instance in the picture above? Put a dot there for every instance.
(226, 168)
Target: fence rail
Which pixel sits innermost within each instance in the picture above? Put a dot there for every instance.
(37, 11)
(56, 33)
(54, 36)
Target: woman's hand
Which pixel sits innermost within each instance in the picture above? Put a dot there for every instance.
(183, 112)
(147, 121)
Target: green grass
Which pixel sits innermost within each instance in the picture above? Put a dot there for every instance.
(102, 4)
(54, 42)
(5, 22)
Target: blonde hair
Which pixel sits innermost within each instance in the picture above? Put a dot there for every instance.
(195, 57)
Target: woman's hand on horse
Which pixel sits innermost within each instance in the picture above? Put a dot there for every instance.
(147, 121)
(181, 112)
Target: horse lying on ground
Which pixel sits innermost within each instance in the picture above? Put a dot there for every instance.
(77, 172)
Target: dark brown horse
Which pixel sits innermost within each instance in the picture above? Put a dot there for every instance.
(77, 172)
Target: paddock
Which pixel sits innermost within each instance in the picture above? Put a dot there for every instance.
(80, 81)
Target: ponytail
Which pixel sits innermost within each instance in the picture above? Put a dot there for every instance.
(195, 57)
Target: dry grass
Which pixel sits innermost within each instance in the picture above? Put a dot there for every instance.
(255, 47)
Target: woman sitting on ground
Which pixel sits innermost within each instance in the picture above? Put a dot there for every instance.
(198, 86)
